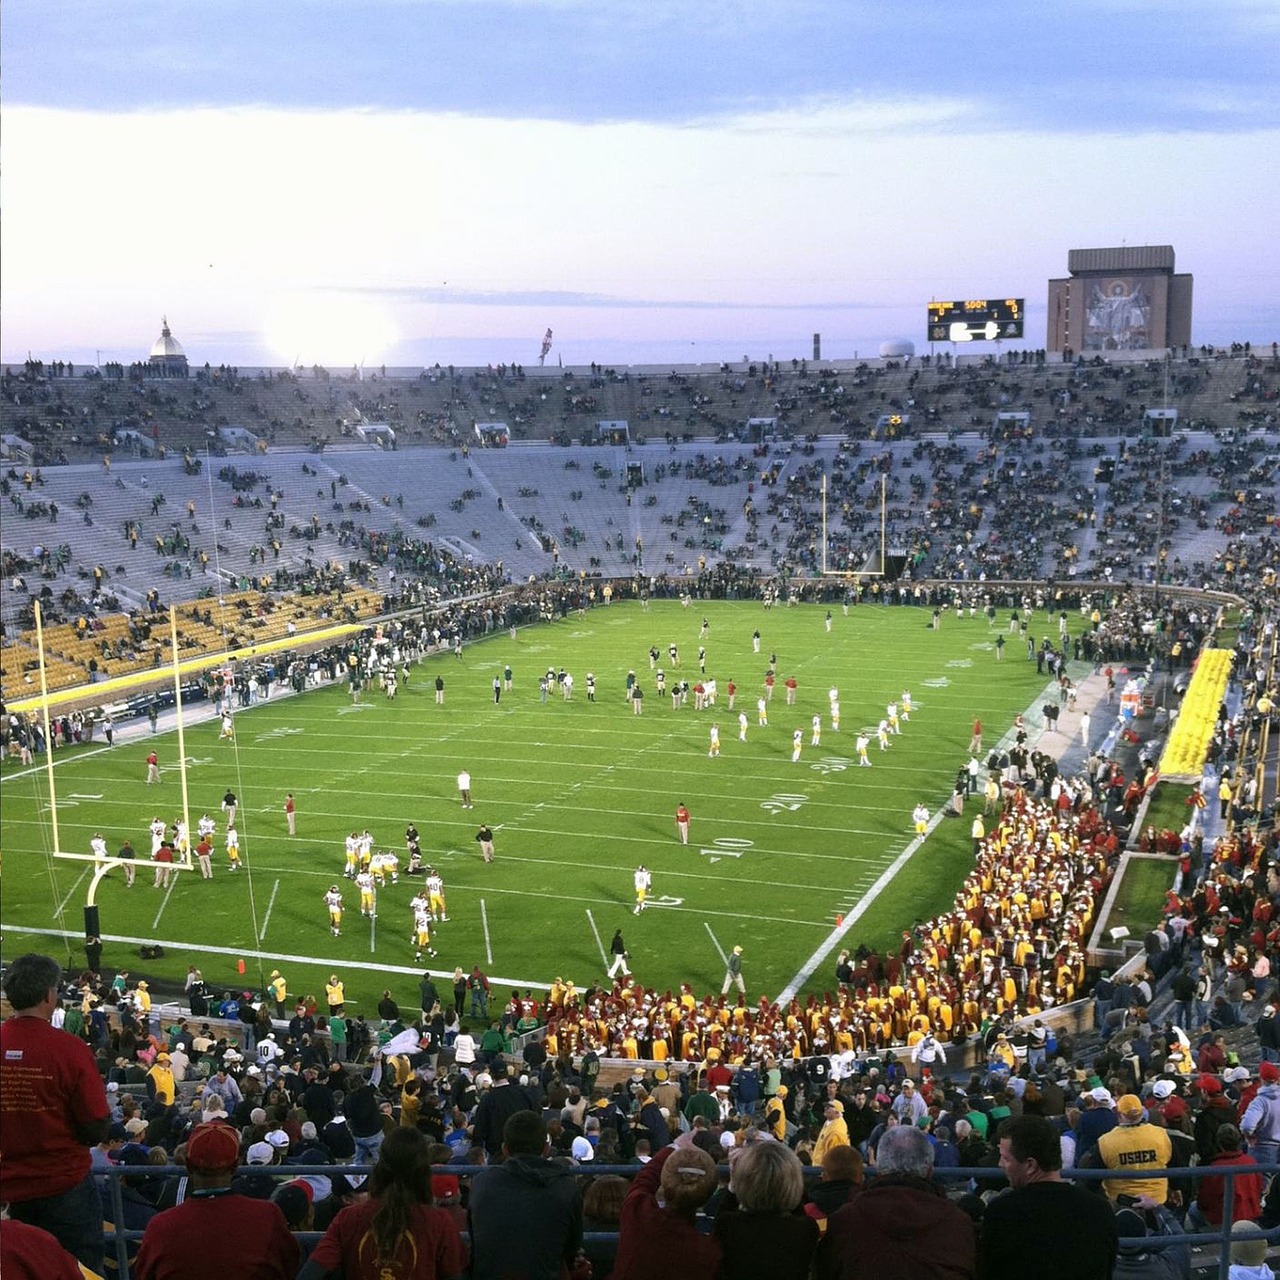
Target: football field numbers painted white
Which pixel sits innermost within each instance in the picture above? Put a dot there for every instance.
(283, 731)
(664, 901)
(959, 662)
(193, 762)
(726, 847)
(783, 802)
(351, 708)
(938, 682)
(831, 764)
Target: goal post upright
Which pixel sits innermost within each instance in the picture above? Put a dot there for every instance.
(182, 742)
(48, 728)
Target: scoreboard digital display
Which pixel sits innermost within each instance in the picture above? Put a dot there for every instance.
(976, 320)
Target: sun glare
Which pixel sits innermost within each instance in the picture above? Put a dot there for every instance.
(328, 329)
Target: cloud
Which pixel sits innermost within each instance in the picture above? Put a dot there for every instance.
(440, 296)
(1088, 67)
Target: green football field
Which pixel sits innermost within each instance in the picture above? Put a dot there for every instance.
(578, 793)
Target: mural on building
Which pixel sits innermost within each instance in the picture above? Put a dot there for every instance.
(1118, 317)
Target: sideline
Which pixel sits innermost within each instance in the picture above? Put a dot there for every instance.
(837, 935)
(323, 962)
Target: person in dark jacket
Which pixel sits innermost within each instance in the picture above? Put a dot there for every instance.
(1268, 1030)
(842, 1177)
(651, 1123)
(1043, 1228)
(900, 1224)
(497, 1105)
(762, 1233)
(525, 1214)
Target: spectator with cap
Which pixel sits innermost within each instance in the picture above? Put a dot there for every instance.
(658, 1238)
(1043, 1228)
(53, 1108)
(1135, 1144)
(1215, 1111)
(1097, 1117)
(1143, 1255)
(207, 1235)
(909, 1106)
(1166, 1102)
(902, 1224)
(1268, 1031)
(257, 1183)
(834, 1131)
(397, 1230)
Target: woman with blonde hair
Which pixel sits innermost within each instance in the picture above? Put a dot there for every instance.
(763, 1232)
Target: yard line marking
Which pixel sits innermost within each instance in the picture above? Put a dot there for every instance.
(262, 933)
(604, 959)
(62, 906)
(373, 930)
(724, 959)
(322, 962)
(484, 919)
(173, 884)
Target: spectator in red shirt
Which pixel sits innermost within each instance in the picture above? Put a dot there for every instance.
(1206, 1210)
(213, 1232)
(53, 1108)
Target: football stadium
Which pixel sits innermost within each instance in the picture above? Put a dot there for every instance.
(554, 705)
(617, 662)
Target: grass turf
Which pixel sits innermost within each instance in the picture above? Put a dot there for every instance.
(577, 793)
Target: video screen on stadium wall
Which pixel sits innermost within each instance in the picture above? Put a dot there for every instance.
(976, 320)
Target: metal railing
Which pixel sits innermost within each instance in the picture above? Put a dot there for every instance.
(1221, 1237)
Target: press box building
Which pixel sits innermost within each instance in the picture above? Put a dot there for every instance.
(1126, 299)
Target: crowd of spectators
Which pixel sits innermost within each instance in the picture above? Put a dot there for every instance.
(912, 1171)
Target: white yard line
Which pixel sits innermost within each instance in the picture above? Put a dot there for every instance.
(604, 959)
(262, 933)
(324, 962)
(715, 942)
(484, 919)
(62, 906)
(168, 893)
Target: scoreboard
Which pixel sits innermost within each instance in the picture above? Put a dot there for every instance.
(980, 320)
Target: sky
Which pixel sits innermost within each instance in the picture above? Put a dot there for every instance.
(411, 182)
